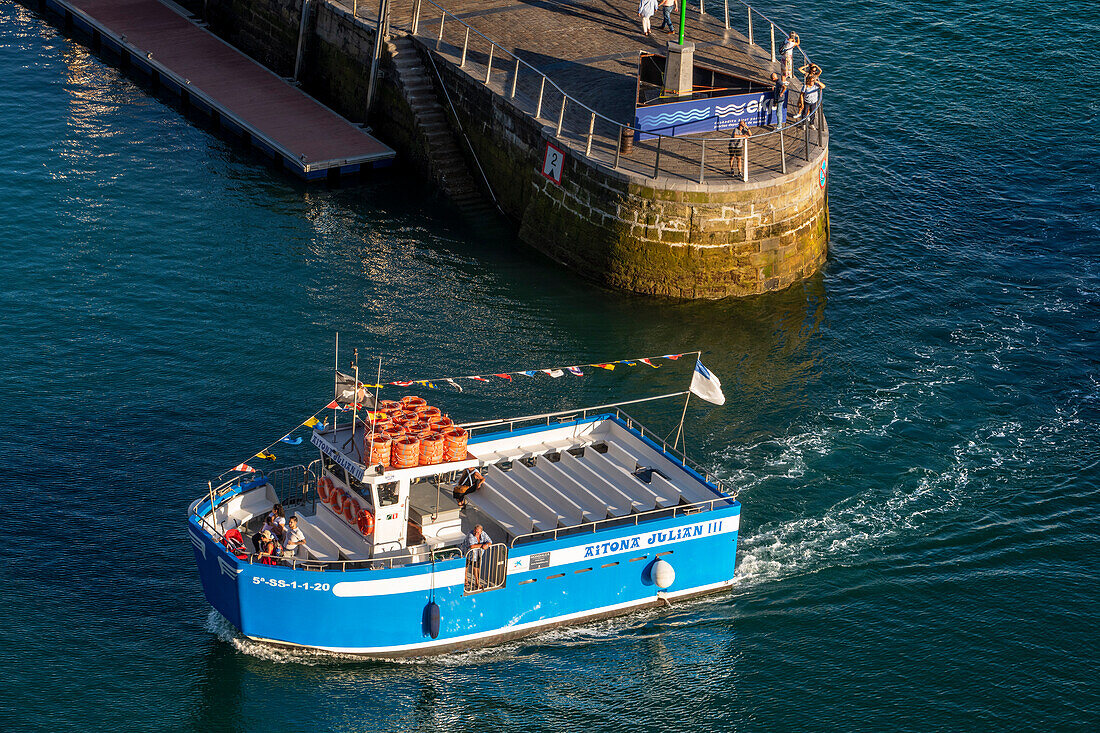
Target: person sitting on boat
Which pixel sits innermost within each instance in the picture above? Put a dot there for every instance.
(476, 543)
(275, 522)
(295, 539)
(267, 548)
(469, 481)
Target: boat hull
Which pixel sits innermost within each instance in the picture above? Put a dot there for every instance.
(382, 613)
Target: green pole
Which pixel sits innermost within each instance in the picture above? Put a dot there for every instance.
(683, 19)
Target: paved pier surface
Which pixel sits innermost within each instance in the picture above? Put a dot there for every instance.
(281, 119)
(590, 50)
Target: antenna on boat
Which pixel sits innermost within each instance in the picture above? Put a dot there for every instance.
(377, 386)
(335, 384)
(355, 395)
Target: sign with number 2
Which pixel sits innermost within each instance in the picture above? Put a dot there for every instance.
(553, 163)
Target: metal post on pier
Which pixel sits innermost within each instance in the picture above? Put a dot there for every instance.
(376, 55)
(702, 12)
(773, 43)
(561, 115)
(745, 167)
(465, 45)
(727, 9)
(806, 139)
(442, 17)
(657, 162)
(416, 17)
(538, 107)
(355, 8)
(515, 78)
(702, 160)
(819, 113)
(782, 151)
(619, 145)
(591, 127)
(750, 26)
(489, 66)
(306, 5)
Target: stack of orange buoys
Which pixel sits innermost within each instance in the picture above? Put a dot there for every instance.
(406, 452)
(412, 404)
(431, 450)
(380, 450)
(455, 444)
(388, 406)
(443, 424)
(419, 429)
(430, 414)
(394, 432)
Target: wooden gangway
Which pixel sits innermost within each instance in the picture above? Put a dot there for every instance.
(158, 41)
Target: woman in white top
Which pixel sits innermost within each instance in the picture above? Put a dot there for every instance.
(646, 10)
(788, 54)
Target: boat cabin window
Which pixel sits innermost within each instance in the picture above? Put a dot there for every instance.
(359, 487)
(334, 468)
(387, 494)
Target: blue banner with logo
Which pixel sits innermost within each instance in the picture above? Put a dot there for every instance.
(707, 115)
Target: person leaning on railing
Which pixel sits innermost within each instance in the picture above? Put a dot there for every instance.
(476, 543)
(811, 97)
(737, 145)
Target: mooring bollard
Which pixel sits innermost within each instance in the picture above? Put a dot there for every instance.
(561, 115)
(626, 142)
(515, 78)
(465, 45)
(591, 127)
(542, 88)
(702, 160)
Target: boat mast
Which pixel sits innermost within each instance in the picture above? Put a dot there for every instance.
(336, 382)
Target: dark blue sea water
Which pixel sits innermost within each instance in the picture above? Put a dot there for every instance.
(914, 431)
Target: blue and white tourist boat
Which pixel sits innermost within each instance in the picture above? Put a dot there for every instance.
(589, 516)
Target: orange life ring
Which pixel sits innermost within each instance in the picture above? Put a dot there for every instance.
(338, 500)
(365, 520)
(352, 509)
(324, 488)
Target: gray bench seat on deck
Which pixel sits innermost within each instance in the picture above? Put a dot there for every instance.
(243, 507)
(569, 511)
(662, 496)
(584, 473)
(689, 487)
(502, 483)
(332, 536)
(502, 511)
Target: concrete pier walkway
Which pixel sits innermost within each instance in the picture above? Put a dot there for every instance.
(281, 120)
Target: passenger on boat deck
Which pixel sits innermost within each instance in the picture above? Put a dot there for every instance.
(295, 538)
(267, 548)
(476, 542)
(468, 481)
(275, 522)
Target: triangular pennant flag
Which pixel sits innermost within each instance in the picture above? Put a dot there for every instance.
(311, 422)
(332, 405)
(480, 379)
(244, 467)
(674, 357)
(292, 441)
(504, 376)
(528, 373)
(649, 363)
(266, 455)
(575, 370)
(555, 373)
(608, 367)
(455, 384)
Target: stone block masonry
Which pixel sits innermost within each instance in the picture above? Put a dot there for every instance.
(664, 237)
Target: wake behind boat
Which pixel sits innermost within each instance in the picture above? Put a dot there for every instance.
(582, 514)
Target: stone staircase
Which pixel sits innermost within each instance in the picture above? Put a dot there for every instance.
(446, 156)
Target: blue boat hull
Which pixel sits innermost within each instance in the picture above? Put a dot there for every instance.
(549, 583)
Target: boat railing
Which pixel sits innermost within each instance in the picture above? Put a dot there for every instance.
(680, 510)
(294, 486)
(631, 423)
(486, 568)
(410, 557)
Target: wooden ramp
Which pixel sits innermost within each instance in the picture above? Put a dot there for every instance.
(208, 74)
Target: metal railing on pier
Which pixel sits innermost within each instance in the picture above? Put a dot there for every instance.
(604, 141)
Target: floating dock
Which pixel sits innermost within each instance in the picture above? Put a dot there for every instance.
(208, 75)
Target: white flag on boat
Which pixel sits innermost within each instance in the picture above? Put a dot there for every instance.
(706, 386)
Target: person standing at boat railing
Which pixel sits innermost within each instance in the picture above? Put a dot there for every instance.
(295, 539)
(476, 543)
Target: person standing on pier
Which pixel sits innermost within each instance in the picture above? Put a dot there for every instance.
(811, 98)
(788, 54)
(667, 6)
(779, 96)
(737, 146)
(646, 10)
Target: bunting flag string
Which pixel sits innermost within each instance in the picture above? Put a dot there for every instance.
(554, 372)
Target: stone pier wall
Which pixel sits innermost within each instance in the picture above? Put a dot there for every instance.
(660, 237)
